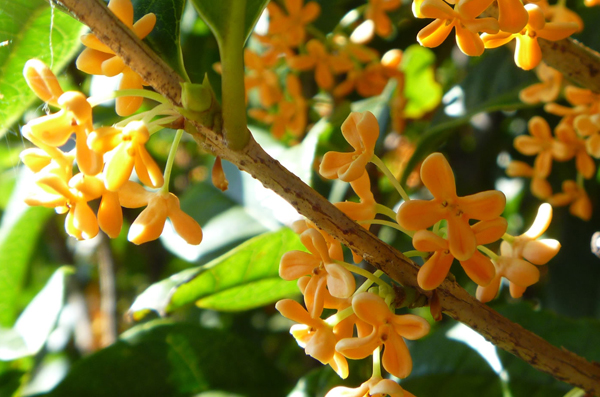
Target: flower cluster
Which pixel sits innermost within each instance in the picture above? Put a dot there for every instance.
(576, 137)
(365, 320)
(525, 23)
(105, 158)
(340, 64)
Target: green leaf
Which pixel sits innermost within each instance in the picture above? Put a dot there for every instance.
(445, 367)
(576, 335)
(161, 359)
(29, 31)
(20, 229)
(165, 37)
(37, 321)
(423, 93)
(217, 14)
(10, 382)
(244, 278)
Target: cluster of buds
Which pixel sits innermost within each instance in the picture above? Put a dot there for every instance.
(340, 65)
(440, 228)
(525, 23)
(576, 137)
(104, 159)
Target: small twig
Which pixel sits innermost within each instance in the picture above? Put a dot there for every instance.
(108, 300)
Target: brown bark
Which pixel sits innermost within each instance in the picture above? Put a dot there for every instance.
(455, 301)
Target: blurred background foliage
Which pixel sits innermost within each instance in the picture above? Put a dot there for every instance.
(108, 318)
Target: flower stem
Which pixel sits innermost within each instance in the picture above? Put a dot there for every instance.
(414, 253)
(377, 362)
(155, 96)
(170, 159)
(384, 210)
(508, 238)
(386, 223)
(488, 252)
(367, 284)
(366, 274)
(381, 165)
(339, 316)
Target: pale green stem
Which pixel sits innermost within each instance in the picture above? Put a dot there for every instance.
(493, 256)
(155, 96)
(367, 284)
(384, 210)
(508, 238)
(366, 274)
(386, 171)
(377, 362)
(339, 316)
(575, 392)
(150, 114)
(413, 253)
(580, 179)
(231, 48)
(386, 223)
(170, 159)
(159, 124)
(436, 227)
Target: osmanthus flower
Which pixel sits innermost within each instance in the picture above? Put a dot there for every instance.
(150, 222)
(315, 335)
(542, 143)
(438, 177)
(42, 81)
(547, 90)
(585, 165)
(464, 20)
(292, 26)
(261, 76)
(324, 63)
(99, 59)
(54, 130)
(125, 148)
(372, 79)
(361, 130)
(376, 21)
(478, 267)
(576, 197)
(528, 53)
(517, 256)
(324, 273)
(389, 329)
(560, 13)
(589, 127)
(585, 103)
(374, 387)
(540, 187)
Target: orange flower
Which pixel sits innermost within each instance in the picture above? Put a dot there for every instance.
(127, 147)
(438, 177)
(543, 144)
(324, 63)
(516, 258)
(577, 197)
(263, 78)
(463, 19)
(584, 101)
(577, 146)
(149, 224)
(374, 387)
(314, 335)
(540, 187)
(371, 80)
(361, 130)
(376, 21)
(528, 53)
(291, 27)
(100, 59)
(42, 81)
(545, 91)
(323, 272)
(479, 268)
(389, 330)
(589, 127)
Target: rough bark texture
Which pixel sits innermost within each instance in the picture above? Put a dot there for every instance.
(455, 301)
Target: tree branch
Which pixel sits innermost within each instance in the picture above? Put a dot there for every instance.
(455, 301)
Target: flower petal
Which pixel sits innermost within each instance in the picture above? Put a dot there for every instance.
(479, 268)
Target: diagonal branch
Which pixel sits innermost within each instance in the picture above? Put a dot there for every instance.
(455, 301)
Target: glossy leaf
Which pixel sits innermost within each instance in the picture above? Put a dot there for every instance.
(37, 321)
(245, 278)
(30, 31)
(423, 93)
(20, 229)
(162, 359)
(216, 14)
(165, 38)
